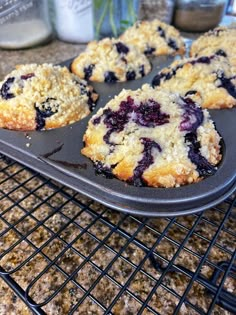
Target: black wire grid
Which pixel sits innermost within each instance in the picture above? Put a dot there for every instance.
(63, 253)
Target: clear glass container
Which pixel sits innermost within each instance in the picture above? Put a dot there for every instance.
(73, 20)
(153, 9)
(198, 15)
(24, 23)
(112, 17)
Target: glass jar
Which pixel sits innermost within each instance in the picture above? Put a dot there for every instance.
(161, 10)
(73, 20)
(24, 23)
(198, 15)
(112, 17)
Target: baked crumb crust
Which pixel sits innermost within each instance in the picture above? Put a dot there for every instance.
(43, 97)
(154, 38)
(110, 60)
(213, 77)
(159, 148)
(221, 40)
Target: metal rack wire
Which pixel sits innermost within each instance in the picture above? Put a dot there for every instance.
(63, 253)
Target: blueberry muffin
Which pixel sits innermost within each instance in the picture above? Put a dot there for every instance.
(153, 138)
(154, 38)
(109, 60)
(220, 41)
(210, 76)
(35, 97)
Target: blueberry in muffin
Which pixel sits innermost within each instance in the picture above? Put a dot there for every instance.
(110, 60)
(220, 41)
(154, 38)
(213, 77)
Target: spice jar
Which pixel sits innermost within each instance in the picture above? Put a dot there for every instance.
(24, 23)
(198, 15)
(152, 9)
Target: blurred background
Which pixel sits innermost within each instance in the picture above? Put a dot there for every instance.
(28, 23)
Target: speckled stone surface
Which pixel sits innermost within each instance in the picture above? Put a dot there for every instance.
(93, 250)
(54, 52)
(96, 262)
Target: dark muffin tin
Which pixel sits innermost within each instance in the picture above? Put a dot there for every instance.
(56, 154)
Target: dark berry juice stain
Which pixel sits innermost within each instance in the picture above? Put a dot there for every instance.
(145, 162)
(57, 149)
(192, 116)
(204, 168)
(227, 84)
(130, 75)
(64, 163)
(147, 114)
(110, 77)
(42, 114)
(122, 48)
(88, 71)
(6, 88)
(27, 76)
(70, 164)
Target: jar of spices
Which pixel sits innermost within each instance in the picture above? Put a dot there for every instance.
(198, 15)
(161, 10)
(24, 23)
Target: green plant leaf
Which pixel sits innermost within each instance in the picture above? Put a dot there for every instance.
(98, 4)
(101, 19)
(112, 21)
(125, 22)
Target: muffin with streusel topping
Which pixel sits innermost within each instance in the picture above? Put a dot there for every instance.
(35, 97)
(153, 138)
(154, 38)
(220, 41)
(110, 60)
(213, 77)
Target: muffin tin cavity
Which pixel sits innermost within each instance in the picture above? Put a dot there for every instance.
(56, 154)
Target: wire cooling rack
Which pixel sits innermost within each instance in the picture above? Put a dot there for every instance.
(63, 253)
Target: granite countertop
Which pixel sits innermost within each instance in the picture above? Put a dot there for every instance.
(162, 301)
(56, 52)
(53, 52)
